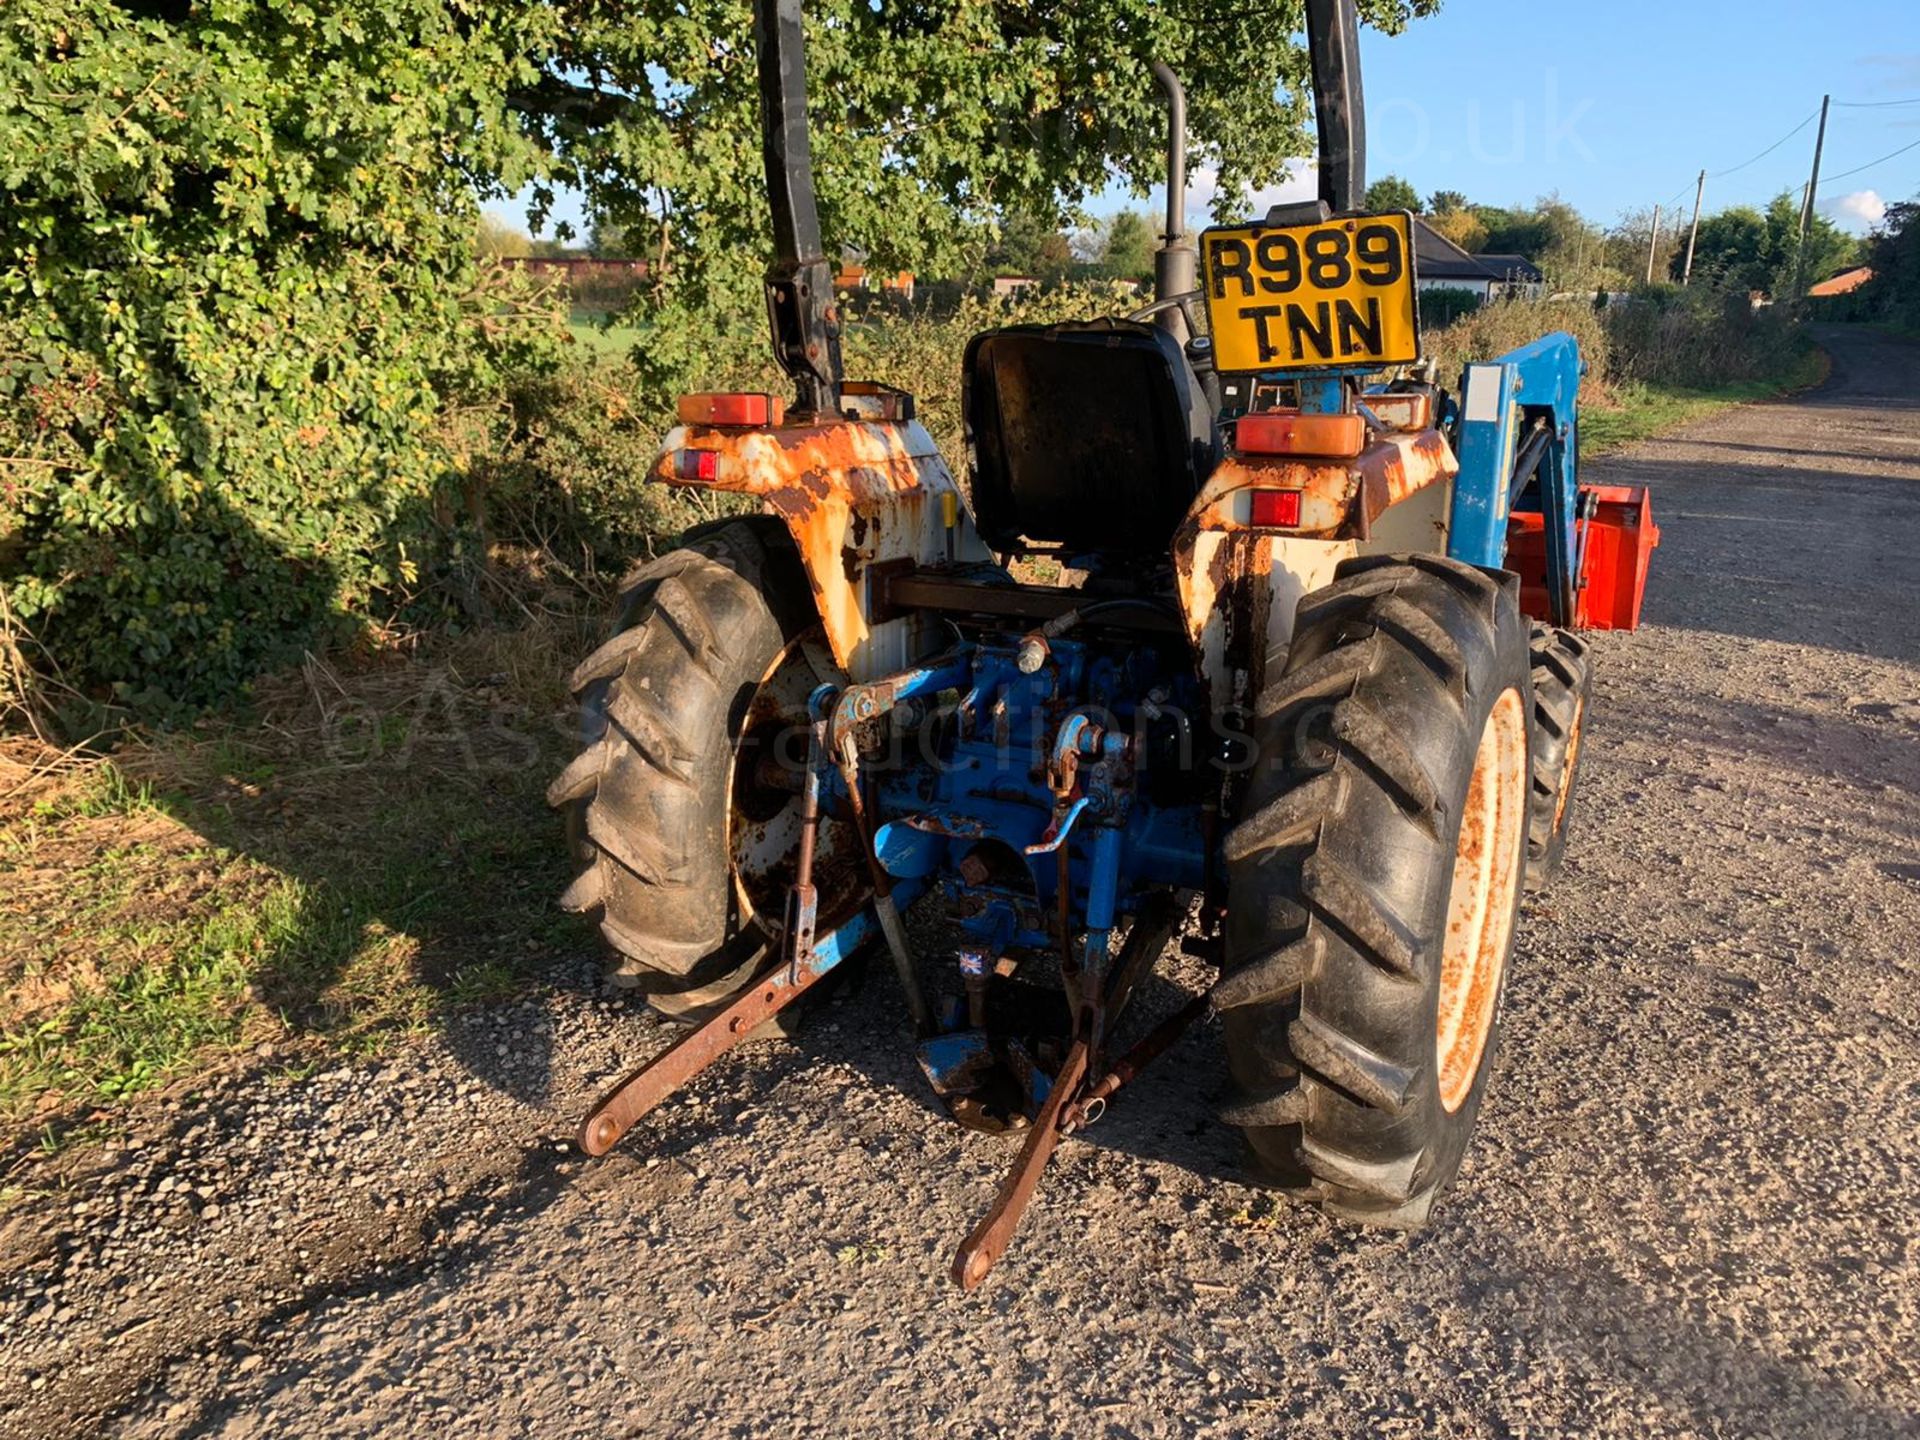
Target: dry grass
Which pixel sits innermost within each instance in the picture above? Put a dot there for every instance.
(368, 847)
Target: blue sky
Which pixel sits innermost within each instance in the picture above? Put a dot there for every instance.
(1617, 105)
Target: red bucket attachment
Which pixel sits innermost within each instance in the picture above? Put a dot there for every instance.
(1619, 542)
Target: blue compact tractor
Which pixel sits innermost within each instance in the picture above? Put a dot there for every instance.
(1294, 715)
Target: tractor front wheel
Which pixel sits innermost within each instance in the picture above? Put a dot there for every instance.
(1562, 681)
(1374, 885)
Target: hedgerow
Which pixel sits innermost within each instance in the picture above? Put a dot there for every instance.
(245, 344)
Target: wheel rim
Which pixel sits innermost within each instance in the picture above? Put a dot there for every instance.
(1486, 877)
(763, 824)
(1569, 765)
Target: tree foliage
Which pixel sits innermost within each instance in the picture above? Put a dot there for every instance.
(1894, 254)
(1126, 247)
(241, 313)
(1391, 192)
(1748, 249)
(1029, 244)
(929, 121)
(499, 239)
(1462, 227)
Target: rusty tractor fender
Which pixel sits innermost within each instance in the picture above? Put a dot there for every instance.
(857, 496)
(1240, 583)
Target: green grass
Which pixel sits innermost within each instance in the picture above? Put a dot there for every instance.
(1645, 411)
(592, 332)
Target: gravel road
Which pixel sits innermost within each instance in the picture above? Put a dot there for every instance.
(1691, 1208)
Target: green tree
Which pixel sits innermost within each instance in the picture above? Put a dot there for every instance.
(1390, 192)
(1748, 249)
(608, 240)
(1732, 251)
(929, 121)
(1828, 248)
(1894, 253)
(1446, 202)
(1030, 244)
(1126, 247)
(240, 298)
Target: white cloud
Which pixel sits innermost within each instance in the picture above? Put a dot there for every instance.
(1859, 212)
(1203, 187)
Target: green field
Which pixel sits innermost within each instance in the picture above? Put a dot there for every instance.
(592, 332)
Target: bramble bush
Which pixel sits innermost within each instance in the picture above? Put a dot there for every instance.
(245, 343)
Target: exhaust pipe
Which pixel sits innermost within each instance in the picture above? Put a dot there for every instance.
(1339, 103)
(1176, 265)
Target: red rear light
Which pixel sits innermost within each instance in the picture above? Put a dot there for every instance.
(1277, 509)
(1288, 432)
(750, 411)
(696, 464)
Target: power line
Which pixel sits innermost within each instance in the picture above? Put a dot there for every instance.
(1871, 163)
(1875, 104)
(1722, 174)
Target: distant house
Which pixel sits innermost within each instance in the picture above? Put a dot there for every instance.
(1004, 285)
(1515, 276)
(1845, 283)
(1443, 265)
(852, 275)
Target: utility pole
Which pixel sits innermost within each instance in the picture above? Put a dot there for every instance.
(1653, 245)
(1693, 236)
(1813, 193)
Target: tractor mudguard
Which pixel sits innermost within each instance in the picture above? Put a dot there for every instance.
(858, 496)
(1241, 577)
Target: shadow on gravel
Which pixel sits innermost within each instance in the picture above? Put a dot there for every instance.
(1741, 540)
(1738, 544)
(1699, 1376)
(457, 1236)
(1734, 447)
(1863, 748)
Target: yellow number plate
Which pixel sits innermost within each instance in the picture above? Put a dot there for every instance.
(1309, 297)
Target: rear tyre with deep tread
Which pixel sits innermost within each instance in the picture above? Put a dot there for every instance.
(647, 799)
(1359, 1040)
(1562, 682)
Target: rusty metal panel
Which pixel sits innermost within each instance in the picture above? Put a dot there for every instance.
(1239, 586)
(1340, 498)
(855, 495)
(1410, 410)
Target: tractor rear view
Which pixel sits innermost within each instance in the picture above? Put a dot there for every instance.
(1315, 710)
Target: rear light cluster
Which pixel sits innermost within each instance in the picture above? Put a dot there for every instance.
(700, 465)
(1412, 410)
(742, 411)
(1288, 432)
(1276, 509)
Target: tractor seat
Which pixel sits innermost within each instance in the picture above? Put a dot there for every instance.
(1094, 436)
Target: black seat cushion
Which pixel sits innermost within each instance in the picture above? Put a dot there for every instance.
(1094, 436)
